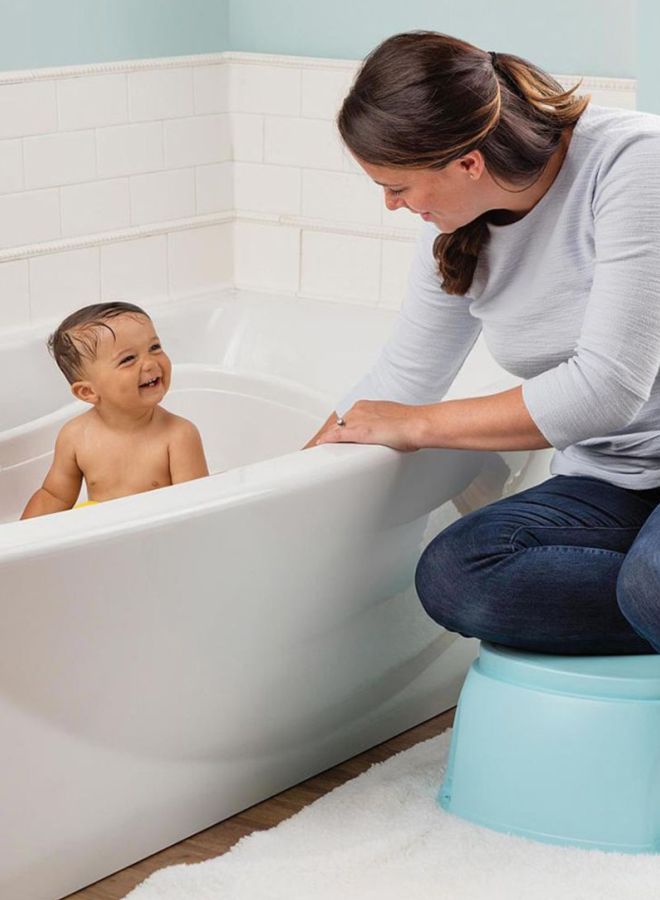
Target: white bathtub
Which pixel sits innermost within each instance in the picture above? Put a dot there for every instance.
(171, 658)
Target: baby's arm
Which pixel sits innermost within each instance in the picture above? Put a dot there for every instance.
(187, 460)
(62, 483)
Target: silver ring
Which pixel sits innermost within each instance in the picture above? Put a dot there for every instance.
(341, 421)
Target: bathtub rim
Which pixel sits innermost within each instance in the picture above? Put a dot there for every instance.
(43, 535)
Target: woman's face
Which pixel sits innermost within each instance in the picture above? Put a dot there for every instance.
(450, 197)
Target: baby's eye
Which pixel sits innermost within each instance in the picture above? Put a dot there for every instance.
(126, 359)
(155, 347)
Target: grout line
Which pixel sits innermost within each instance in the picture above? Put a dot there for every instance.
(99, 239)
(252, 59)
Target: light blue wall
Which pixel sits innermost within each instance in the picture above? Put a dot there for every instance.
(590, 37)
(36, 33)
(648, 84)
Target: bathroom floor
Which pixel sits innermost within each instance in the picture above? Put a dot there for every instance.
(219, 838)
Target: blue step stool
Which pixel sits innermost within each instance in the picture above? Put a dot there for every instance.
(560, 749)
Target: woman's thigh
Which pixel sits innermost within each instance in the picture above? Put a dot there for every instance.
(538, 570)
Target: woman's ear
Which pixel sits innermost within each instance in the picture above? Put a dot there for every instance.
(84, 390)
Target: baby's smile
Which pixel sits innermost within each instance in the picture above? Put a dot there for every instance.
(155, 382)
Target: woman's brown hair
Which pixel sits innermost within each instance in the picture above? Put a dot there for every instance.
(422, 99)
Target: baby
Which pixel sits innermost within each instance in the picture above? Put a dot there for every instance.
(126, 443)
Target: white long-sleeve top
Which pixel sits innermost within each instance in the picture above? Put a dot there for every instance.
(568, 298)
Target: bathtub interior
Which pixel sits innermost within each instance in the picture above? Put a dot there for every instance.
(256, 373)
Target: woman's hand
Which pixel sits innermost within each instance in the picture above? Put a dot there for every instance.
(378, 422)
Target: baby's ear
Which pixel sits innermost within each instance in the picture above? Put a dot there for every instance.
(83, 390)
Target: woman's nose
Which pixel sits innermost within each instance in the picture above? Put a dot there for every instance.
(394, 202)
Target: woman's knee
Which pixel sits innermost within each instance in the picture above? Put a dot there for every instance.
(449, 574)
(638, 583)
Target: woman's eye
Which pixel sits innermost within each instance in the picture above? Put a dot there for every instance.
(398, 191)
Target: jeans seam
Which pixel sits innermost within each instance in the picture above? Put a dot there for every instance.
(564, 548)
(567, 528)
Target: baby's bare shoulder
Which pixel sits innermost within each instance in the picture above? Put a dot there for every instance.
(72, 430)
(178, 426)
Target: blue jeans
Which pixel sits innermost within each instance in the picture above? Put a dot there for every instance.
(570, 566)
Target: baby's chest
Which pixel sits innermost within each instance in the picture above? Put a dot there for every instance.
(131, 466)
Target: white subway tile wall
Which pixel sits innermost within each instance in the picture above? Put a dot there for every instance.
(200, 259)
(266, 257)
(173, 177)
(162, 196)
(93, 101)
(14, 294)
(11, 167)
(394, 267)
(214, 187)
(357, 279)
(96, 207)
(263, 188)
(135, 270)
(29, 218)
(61, 282)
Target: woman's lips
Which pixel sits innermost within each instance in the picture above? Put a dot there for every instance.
(426, 216)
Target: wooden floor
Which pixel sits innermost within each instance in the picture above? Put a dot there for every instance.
(218, 839)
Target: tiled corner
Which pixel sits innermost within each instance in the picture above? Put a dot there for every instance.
(214, 188)
(200, 259)
(309, 143)
(356, 279)
(263, 88)
(263, 188)
(340, 197)
(323, 91)
(266, 257)
(211, 89)
(247, 137)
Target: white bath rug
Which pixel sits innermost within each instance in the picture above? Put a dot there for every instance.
(382, 836)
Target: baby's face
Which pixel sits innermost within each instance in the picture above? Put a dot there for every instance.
(131, 370)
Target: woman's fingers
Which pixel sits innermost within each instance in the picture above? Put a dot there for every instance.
(373, 422)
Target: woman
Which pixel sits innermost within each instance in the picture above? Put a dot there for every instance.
(542, 217)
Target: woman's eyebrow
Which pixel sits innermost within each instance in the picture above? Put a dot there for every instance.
(382, 184)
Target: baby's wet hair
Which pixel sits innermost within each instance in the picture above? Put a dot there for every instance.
(76, 338)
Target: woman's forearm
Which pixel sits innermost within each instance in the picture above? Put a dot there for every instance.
(495, 422)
